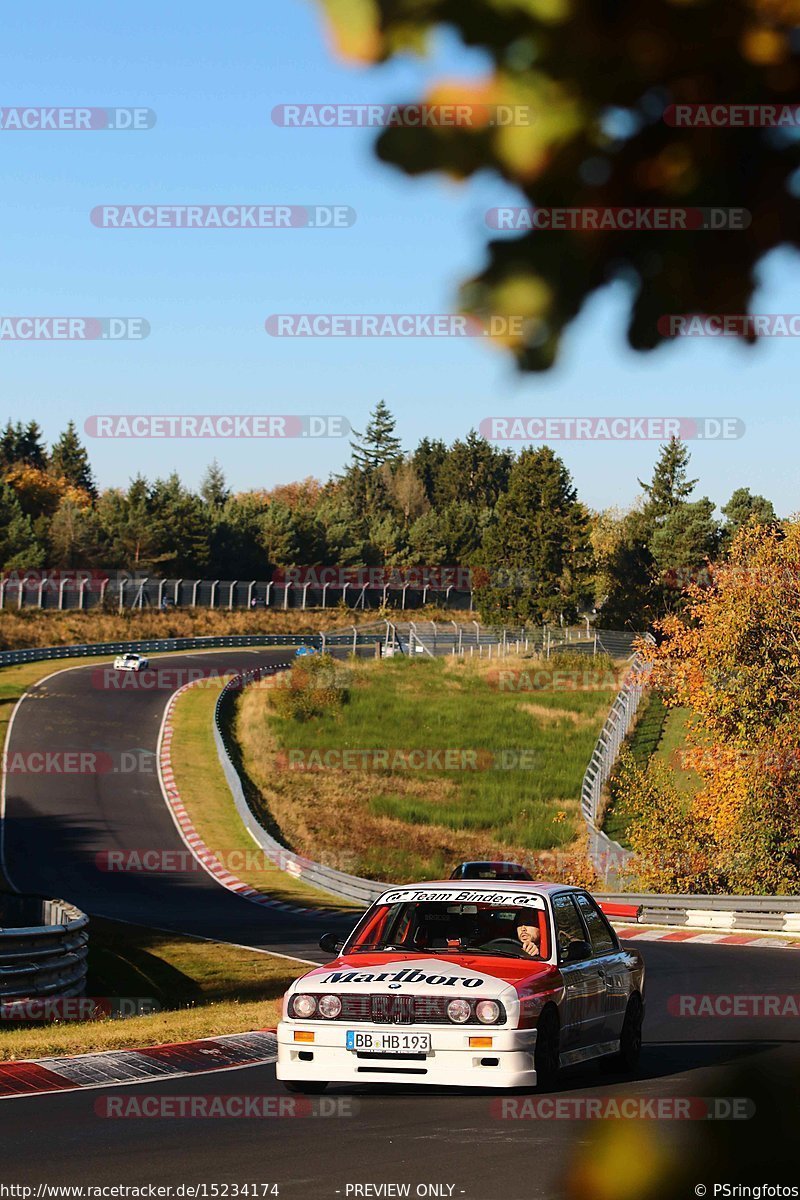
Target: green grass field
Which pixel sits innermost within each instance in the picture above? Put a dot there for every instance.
(520, 755)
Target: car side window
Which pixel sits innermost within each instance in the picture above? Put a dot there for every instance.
(568, 924)
(600, 935)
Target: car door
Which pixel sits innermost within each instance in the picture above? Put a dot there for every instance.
(584, 1009)
(611, 964)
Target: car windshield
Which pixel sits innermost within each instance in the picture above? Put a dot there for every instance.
(508, 930)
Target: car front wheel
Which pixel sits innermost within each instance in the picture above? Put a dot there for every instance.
(312, 1088)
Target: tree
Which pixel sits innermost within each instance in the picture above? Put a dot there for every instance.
(669, 485)
(744, 507)
(184, 527)
(23, 444)
(538, 553)
(131, 527)
(407, 491)
(378, 445)
(70, 460)
(19, 549)
(213, 488)
(475, 471)
(448, 536)
(733, 659)
(427, 461)
(596, 84)
(74, 537)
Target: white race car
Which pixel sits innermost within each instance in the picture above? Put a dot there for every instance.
(477, 983)
(131, 662)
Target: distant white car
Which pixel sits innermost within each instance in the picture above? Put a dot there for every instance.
(131, 662)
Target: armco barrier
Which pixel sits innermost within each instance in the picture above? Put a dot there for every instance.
(43, 948)
(768, 914)
(10, 658)
(338, 883)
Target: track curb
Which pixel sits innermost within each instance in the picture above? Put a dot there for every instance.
(191, 837)
(149, 1064)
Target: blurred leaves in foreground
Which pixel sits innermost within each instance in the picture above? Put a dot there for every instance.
(598, 77)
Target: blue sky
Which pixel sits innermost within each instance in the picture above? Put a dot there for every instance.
(213, 79)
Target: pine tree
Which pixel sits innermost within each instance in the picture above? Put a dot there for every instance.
(669, 485)
(538, 553)
(70, 459)
(378, 445)
(213, 487)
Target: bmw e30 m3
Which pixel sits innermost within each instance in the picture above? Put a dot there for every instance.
(467, 983)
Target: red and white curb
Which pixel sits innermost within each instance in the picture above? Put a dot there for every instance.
(640, 933)
(207, 859)
(109, 1068)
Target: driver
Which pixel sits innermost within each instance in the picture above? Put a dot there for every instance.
(529, 935)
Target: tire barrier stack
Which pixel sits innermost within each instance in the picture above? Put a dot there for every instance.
(44, 946)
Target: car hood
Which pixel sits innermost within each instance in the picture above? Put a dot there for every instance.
(426, 974)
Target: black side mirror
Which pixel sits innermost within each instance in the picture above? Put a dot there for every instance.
(330, 943)
(577, 951)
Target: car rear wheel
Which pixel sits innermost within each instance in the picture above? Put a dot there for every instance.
(630, 1040)
(312, 1088)
(546, 1054)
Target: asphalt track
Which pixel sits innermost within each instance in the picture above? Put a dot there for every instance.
(57, 825)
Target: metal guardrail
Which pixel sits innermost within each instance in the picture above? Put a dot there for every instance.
(43, 948)
(607, 856)
(338, 883)
(9, 658)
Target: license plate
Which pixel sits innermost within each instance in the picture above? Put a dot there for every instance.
(389, 1043)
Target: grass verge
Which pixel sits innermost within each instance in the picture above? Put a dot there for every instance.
(205, 793)
(203, 989)
(659, 732)
(520, 733)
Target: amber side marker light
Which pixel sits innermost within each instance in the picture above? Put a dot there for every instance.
(300, 1035)
(480, 1043)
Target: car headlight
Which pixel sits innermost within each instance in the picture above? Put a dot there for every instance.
(459, 1011)
(330, 1007)
(487, 1012)
(304, 1005)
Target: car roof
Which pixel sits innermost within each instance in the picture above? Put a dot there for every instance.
(541, 886)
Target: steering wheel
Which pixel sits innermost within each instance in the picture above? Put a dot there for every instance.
(502, 943)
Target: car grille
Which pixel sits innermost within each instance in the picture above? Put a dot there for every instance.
(399, 1010)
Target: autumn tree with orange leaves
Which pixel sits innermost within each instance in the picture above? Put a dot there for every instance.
(733, 659)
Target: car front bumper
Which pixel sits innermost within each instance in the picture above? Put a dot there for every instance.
(451, 1061)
